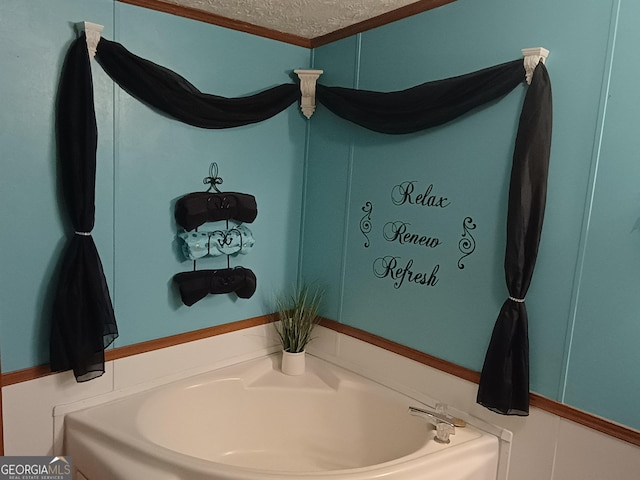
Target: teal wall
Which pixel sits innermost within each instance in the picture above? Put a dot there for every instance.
(584, 327)
(145, 162)
(584, 318)
(603, 368)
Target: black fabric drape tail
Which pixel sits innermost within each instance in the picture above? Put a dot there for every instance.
(83, 322)
(504, 381)
(504, 384)
(83, 319)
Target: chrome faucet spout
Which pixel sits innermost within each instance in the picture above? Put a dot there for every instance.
(433, 417)
(444, 424)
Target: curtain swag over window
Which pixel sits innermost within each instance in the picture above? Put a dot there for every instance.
(83, 321)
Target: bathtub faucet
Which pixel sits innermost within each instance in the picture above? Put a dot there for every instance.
(445, 425)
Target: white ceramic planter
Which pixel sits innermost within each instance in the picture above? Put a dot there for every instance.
(293, 363)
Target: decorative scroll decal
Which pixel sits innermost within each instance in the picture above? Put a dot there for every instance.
(467, 243)
(365, 222)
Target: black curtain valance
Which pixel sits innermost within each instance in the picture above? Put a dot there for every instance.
(423, 106)
(173, 95)
(83, 322)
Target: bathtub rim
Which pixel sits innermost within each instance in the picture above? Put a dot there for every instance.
(169, 457)
(173, 459)
(202, 468)
(504, 436)
(63, 409)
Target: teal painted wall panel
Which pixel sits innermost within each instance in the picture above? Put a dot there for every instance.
(142, 169)
(326, 185)
(602, 375)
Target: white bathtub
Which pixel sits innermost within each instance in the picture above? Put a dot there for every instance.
(251, 422)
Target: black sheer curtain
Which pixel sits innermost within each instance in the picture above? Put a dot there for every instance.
(173, 95)
(423, 106)
(504, 382)
(83, 322)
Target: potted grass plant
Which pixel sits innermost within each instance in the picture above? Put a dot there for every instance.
(295, 319)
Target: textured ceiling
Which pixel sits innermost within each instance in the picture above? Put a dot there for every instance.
(303, 18)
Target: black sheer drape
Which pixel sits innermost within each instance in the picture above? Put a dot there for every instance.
(504, 385)
(170, 93)
(425, 105)
(83, 322)
(504, 382)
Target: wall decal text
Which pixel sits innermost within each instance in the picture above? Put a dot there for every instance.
(404, 193)
(398, 231)
(388, 266)
(414, 237)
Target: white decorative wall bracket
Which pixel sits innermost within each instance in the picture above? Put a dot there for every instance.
(532, 56)
(308, 80)
(92, 32)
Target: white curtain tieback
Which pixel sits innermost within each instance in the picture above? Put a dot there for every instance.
(517, 300)
(84, 234)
